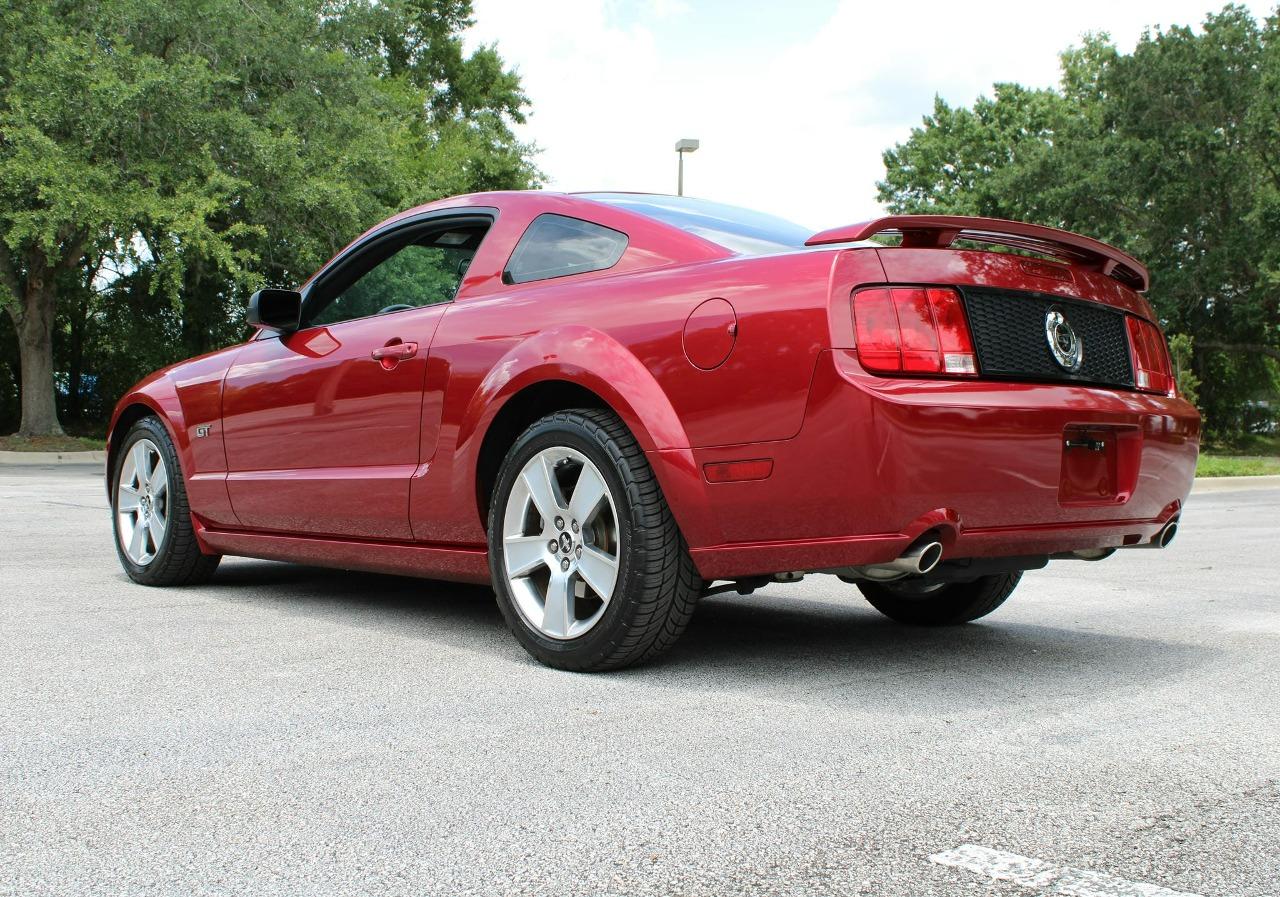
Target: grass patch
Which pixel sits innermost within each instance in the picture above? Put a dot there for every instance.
(1252, 455)
(1237, 466)
(1250, 445)
(51, 444)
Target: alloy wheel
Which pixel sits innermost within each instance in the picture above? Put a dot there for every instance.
(560, 543)
(142, 502)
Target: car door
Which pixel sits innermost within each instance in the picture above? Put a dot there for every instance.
(322, 425)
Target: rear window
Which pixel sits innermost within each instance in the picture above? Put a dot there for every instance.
(737, 229)
(556, 246)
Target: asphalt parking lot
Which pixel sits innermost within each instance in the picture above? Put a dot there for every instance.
(290, 730)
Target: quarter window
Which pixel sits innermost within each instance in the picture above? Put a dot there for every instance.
(556, 246)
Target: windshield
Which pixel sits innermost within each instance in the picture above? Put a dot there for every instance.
(737, 229)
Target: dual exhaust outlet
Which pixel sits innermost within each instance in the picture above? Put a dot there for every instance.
(923, 555)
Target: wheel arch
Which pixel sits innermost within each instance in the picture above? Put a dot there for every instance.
(572, 367)
(516, 415)
(132, 409)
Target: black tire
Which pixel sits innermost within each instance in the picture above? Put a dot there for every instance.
(949, 605)
(178, 560)
(657, 586)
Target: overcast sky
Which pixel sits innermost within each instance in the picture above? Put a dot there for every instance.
(793, 100)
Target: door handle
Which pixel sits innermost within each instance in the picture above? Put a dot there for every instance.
(393, 353)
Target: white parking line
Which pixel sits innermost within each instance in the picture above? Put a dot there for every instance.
(1047, 878)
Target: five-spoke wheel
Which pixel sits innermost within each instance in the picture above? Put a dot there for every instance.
(589, 567)
(142, 502)
(155, 536)
(560, 543)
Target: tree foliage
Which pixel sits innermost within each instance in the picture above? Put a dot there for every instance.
(159, 159)
(1171, 152)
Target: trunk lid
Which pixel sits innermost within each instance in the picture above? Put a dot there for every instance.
(1070, 313)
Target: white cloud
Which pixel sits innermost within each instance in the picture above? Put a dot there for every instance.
(666, 9)
(791, 121)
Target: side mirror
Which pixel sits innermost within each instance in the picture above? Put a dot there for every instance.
(275, 310)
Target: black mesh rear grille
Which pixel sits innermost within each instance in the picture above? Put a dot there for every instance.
(1009, 335)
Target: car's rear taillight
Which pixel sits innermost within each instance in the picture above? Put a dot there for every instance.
(917, 330)
(1152, 371)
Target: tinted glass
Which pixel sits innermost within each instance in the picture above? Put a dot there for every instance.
(555, 246)
(425, 272)
(737, 229)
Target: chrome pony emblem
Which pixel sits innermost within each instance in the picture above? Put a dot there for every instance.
(1067, 349)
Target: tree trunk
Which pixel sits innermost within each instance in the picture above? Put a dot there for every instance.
(32, 307)
(35, 351)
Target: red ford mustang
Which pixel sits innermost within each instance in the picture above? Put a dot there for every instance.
(606, 403)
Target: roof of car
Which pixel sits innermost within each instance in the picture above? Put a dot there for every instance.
(741, 230)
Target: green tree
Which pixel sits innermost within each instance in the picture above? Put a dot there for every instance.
(204, 147)
(970, 161)
(1171, 152)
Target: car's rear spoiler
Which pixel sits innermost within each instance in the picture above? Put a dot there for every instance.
(940, 231)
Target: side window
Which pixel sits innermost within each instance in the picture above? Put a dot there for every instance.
(422, 269)
(555, 245)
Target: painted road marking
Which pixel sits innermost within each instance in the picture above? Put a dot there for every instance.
(1047, 878)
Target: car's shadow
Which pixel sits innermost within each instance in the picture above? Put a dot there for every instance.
(833, 648)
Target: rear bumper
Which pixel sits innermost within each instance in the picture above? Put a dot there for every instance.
(880, 461)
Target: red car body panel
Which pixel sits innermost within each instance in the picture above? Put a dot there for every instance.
(312, 385)
(315, 452)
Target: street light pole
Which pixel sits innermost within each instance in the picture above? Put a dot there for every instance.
(682, 147)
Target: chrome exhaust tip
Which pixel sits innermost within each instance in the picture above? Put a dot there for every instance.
(918, 559)
(923, 557)
(1162, 538)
